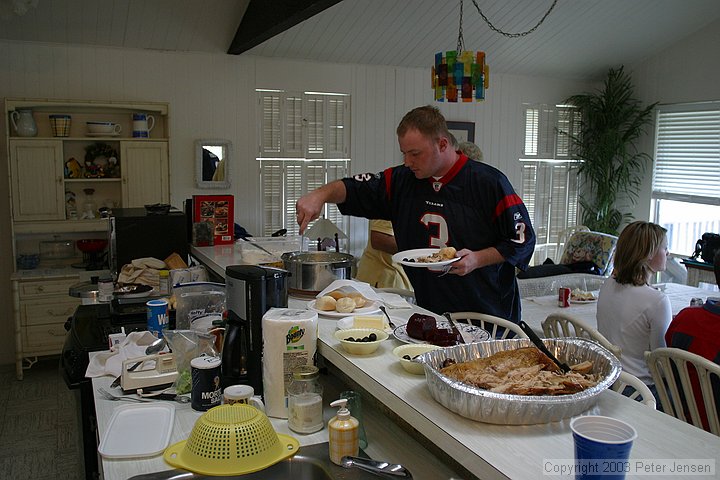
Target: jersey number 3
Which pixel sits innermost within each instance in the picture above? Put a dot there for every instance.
(441, 239)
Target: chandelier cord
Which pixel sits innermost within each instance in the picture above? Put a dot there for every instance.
(493, 27)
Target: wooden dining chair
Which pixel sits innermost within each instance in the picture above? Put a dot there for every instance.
(671, 369)
(558, 325)
(494, 325)
(639, 392)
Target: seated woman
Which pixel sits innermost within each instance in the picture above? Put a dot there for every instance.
(631, 313)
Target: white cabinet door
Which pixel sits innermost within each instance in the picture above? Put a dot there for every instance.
(36, 177)
(145, 173)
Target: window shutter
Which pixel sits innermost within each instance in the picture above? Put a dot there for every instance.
(539, 132)
(338, 127)
(687, 154)
(270, 124)
(293, 126)
(568, 126)
(315, 117)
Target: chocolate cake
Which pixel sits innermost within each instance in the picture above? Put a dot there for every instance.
(418, 326)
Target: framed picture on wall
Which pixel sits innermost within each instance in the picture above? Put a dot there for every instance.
(463, 131)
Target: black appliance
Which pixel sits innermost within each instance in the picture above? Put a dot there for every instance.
(136, 233)
(88, 331)
(251, 291)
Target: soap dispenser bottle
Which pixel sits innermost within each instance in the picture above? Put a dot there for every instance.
(343, 432)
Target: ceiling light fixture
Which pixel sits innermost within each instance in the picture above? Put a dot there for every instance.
(461, 75)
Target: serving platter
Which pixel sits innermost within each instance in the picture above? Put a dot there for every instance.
(475, 333)
(370, 307)
(404, 257)
(580, 302)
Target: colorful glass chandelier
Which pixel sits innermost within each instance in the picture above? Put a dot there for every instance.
(462, 75)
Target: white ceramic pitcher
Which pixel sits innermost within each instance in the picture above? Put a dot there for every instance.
(142, 125)
(23, 122)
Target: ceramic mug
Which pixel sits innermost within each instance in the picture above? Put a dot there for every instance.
(242, 394)
(142, 125)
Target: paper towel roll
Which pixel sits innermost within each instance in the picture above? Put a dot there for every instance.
(289, 341)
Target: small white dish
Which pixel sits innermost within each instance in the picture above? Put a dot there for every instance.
(138, 431)
(408, 257)
(412, 350)
(360, 348)
(371, 307)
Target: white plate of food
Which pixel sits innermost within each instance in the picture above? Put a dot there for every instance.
(349, 322)
(475, 333)
(581, 296)
(370, 307)
(426, 257)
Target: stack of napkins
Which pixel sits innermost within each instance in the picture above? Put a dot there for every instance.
(393, 300)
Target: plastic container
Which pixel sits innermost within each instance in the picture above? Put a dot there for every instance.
(198, 305)
(343, 433)
(275, 245)
(305, 407)
(138, 431)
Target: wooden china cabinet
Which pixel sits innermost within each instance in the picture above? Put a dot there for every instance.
(51, 196)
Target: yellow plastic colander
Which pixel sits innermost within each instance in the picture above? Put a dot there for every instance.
(231, 440)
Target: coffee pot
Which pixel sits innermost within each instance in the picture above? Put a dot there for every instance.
(251, 291)
(23, 122)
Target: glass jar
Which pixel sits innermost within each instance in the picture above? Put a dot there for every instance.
(305, 405)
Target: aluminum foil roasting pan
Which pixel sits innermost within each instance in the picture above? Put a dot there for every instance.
(501, 408)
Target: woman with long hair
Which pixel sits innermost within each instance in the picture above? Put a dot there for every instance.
(630, 312)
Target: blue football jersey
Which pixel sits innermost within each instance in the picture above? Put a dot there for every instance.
(473, 206)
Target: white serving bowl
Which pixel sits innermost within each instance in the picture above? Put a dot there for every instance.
(412, 350)
(100, 127)
(360, 348)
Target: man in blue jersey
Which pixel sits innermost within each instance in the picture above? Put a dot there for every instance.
(438, 198)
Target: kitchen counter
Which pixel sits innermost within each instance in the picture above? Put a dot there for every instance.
(386, 440)
(498, 451)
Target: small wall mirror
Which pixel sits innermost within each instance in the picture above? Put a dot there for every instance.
(213, 159)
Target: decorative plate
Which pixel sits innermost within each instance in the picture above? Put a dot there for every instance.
(476, 333)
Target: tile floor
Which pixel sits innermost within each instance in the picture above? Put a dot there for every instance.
(39, 425)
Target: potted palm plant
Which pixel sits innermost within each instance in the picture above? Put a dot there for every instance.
(612, 167)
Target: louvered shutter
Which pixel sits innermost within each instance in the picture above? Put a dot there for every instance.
(270, 124)
(687, 154)
(293, 126)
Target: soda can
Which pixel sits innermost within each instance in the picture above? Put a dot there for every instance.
(206, 390)
(563, 297)
(157, 316)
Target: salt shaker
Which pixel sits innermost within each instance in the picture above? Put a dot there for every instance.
(305, 407)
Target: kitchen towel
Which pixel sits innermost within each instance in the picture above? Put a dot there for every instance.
(110, 362)
(289, 341)
(393, 300)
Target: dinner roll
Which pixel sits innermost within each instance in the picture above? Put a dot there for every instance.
(448, 252)
(326, 303)
(345, 305)
(337, 294)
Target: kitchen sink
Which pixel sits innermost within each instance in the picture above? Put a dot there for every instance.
(312, 462)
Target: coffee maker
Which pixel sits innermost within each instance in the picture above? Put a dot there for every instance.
(251, 291)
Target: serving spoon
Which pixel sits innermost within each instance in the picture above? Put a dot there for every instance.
(539, 344)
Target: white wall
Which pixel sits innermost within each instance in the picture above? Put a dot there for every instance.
(686, 72)
(212, 96)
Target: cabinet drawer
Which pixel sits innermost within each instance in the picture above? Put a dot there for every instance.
(50, 311)
(46, 287)
(43, 339)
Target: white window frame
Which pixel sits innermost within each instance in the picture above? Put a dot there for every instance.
(303, 143)
(549, 170)
(686, 169)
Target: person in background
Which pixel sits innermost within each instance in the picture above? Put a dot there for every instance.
(472, 151)
(438, 198)
(697, 330)
(376, 265)
(630, 313)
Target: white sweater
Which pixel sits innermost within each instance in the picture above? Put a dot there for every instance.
(636, 319)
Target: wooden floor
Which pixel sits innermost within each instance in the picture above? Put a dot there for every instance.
(39, 425)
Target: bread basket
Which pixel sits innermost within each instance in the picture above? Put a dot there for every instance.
(231, 440)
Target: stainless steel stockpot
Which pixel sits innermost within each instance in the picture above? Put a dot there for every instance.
(311, 272)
